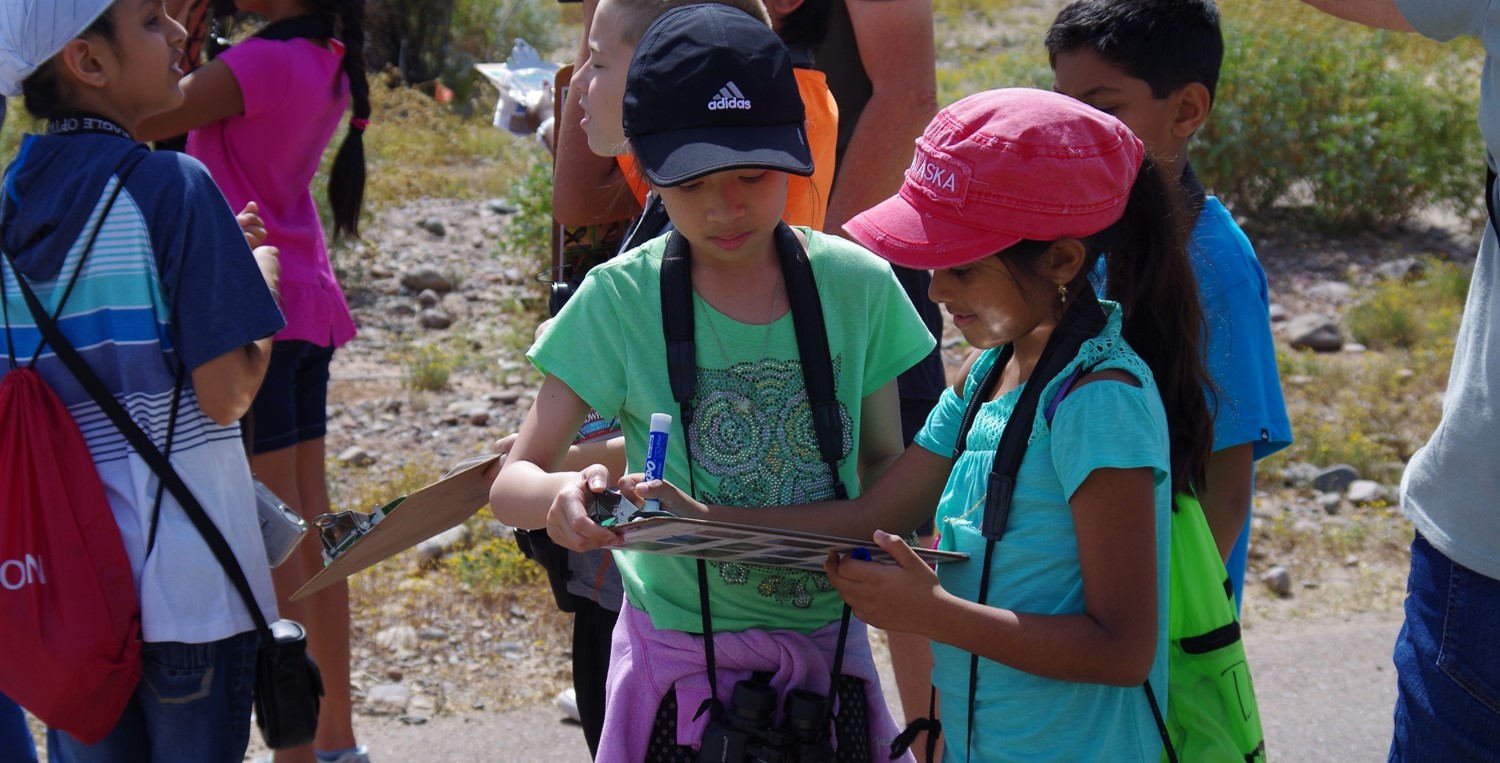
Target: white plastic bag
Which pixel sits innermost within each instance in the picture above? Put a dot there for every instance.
(525, 84)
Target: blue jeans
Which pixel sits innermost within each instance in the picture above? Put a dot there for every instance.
(1447, 663)
(15, 735)
(192, 706)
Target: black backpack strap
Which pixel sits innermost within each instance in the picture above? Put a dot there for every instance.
(1489, 196)
(677, 326)
(812, 349)
(1083, 320)
(1161, 724)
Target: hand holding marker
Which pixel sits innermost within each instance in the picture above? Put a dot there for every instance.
(656, 457)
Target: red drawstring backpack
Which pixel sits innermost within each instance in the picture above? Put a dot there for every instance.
(70, 620)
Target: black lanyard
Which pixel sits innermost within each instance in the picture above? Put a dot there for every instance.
(84, 123)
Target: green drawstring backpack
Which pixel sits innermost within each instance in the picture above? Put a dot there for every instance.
(1212, 714)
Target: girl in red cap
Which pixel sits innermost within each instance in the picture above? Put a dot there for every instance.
(1045, 637)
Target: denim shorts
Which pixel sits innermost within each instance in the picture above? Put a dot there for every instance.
(291, 406)
(15, 736)
(1447, 663)
(191, 706)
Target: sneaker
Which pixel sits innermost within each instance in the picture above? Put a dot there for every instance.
(567, 701)
(354, 755)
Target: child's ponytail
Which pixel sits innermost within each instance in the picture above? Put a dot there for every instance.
(1148, 272)
(346, 180)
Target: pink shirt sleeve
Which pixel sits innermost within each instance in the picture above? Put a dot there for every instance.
(263, 69)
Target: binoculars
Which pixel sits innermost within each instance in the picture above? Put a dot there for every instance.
(744, 732)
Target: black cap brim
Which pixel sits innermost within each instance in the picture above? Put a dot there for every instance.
(679, 156)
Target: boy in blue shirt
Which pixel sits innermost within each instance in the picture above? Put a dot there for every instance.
(1154, 64)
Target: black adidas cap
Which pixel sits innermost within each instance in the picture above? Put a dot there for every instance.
(710, 89)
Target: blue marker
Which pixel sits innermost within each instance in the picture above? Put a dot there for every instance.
(861, 553)
(656, 454)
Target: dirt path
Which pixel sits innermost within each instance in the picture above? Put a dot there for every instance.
(1326, 689)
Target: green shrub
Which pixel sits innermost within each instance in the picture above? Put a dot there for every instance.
(530, 229)
(1343, 119)
(493, 569)
(1403, 315)
(428, 368)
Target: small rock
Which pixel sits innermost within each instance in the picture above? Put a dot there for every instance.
(397, 637)
(356, 456)
(435, 226)
(479, 418)
(1404, 269)
(508, 397)
(435, 318)
(1278, 313)
(1351, 561)
(1278, 580)
(1354, 347)
(1365, 492)
(1331, 502)
(388, 698)
(428, 298)
(412, 720)
(1335, 479)
(427, 277)
(380, 271)
(1299, 474)
(1333, 292)
(394, 673)
(431, 633)
(500, 207)
(431, 550)
(1312, 331)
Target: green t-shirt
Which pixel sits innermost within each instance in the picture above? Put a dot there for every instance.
(752, 438)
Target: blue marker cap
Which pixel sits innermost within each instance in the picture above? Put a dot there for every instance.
(861, 553)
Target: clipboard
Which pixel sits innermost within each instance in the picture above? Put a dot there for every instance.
(409, 520)
(748, 544)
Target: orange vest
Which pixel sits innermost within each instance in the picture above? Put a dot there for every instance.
(806, 197)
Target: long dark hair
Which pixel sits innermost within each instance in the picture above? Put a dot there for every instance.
(1148, 272)
(346, 179)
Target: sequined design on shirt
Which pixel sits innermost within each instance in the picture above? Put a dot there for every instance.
(752, 428)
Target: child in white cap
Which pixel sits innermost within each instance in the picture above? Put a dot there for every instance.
(168, 291)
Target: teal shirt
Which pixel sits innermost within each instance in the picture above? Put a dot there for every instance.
(1105, 424)
(752, 436)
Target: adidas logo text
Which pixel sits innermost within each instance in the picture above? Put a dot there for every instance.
(728, 97)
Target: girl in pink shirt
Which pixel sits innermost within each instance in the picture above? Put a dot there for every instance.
(260, 116)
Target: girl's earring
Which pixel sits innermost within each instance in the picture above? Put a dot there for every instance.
(1062, 292)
